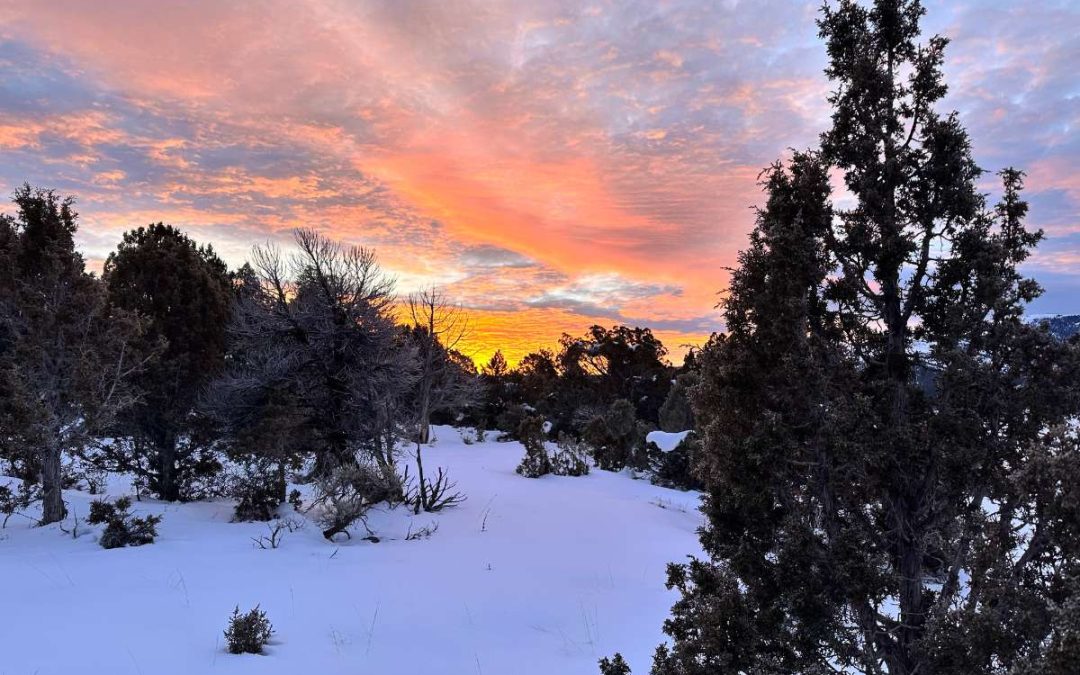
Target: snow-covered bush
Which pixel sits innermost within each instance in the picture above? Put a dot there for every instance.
(248, 633)
(536, 462)
(122, 528)
(617, 437)
(13, 503)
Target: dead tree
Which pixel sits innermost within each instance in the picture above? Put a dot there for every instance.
(446, 379)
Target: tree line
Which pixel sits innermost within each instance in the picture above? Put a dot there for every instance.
(170, 367)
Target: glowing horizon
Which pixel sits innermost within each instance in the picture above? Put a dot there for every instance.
(549, 165)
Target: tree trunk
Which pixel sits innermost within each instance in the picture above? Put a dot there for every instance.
(52, 498)
(422, 500)
(282, 484)
(168, 488)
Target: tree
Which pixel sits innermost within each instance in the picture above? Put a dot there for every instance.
(495, 390)
(184, 291)
(496, 366)
(537, 376)
(676, 414)
(889, 466)
(68, 358)
(620, 362)
(444, 382)
(314, 334)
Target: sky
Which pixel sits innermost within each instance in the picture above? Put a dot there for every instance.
(550, 165)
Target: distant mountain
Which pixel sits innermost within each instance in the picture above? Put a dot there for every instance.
(1063, 326)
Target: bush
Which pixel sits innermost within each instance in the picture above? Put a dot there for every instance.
(344, 496)
(676, 413)
(258, 491)
(13, 503)
(248, 633)
(571, 458)
(121, 528)
(509, 421)
(536, 462)
(617, 438)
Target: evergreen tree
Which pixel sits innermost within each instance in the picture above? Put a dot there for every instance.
(676, 414)
(184, 291)
(891, 474)
(67, 360)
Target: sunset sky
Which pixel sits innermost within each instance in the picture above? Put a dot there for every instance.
(549, 164)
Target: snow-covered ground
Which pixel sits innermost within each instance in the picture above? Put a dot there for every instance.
(527, 576)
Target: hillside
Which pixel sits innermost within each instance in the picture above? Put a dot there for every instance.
(527, 576)
(1064, 326)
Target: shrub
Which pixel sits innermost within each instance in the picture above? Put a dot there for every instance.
(121, 528)
(571, 458)
(258, 492)
(13, 503)
(617, 438)
(676, 413)
(431, 495)
(275, 532)
(344, 496)
(536, 462)
(296, 499)
(248, 633)
(509, 421)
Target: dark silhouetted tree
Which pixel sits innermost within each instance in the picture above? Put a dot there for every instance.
(314, 334)
(183, 289)
(891, 471)
(67, 360)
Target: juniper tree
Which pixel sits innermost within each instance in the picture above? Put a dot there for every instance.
(67, 358)
(495, 390)
(891, 473)
(184, 291)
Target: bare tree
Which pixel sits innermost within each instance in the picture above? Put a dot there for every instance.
(446, 381)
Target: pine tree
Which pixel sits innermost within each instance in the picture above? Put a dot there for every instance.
(890, 469)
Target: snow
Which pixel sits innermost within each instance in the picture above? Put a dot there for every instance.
(527, 576)
(666, 440)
